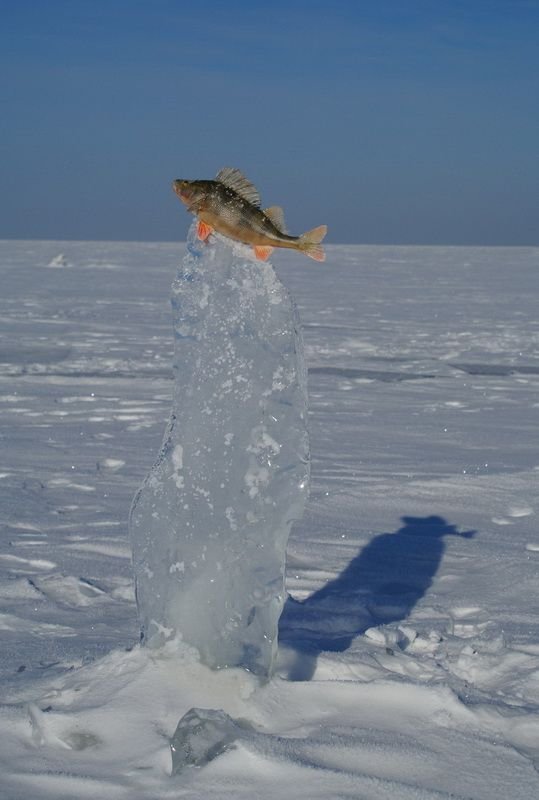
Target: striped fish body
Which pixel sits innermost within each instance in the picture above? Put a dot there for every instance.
(230, 205)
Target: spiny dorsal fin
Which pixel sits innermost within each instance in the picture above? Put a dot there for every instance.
(236, 181)
(276, 215)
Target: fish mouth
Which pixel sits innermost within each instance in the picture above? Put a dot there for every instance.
(182, 190)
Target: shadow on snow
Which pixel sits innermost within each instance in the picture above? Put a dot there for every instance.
(382, 584)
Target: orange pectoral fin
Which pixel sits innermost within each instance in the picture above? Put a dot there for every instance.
(263, 253)
(203, 230)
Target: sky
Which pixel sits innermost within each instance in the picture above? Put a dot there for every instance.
(392, 121)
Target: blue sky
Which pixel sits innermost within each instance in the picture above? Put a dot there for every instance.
(411, 121)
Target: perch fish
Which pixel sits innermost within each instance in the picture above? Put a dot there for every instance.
(230, 204)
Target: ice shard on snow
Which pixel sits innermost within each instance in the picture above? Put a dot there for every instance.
(203, 734)
(210, 524)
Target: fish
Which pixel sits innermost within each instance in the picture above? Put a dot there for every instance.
(230, 205)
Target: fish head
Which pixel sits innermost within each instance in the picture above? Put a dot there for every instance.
(192, 193)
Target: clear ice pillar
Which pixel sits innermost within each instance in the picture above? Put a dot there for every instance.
(210, 524)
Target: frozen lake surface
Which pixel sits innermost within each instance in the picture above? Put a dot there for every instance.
(409, 657)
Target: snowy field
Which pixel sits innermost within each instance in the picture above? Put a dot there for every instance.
(409, 658)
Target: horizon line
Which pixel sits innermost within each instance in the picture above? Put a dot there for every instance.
(326, 244)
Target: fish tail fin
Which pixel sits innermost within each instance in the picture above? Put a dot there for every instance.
(309, 243)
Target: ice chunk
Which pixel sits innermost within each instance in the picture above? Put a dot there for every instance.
(59, 261)
(201, 735)
(210, 524)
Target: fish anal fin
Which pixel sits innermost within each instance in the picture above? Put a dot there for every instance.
(203, 230)
(236, 180)
(263, 252)
(276, 215)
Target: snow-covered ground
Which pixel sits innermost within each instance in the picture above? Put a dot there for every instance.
(409, 659)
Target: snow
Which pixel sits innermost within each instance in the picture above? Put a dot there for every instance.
(409, 655)
(221, 504)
